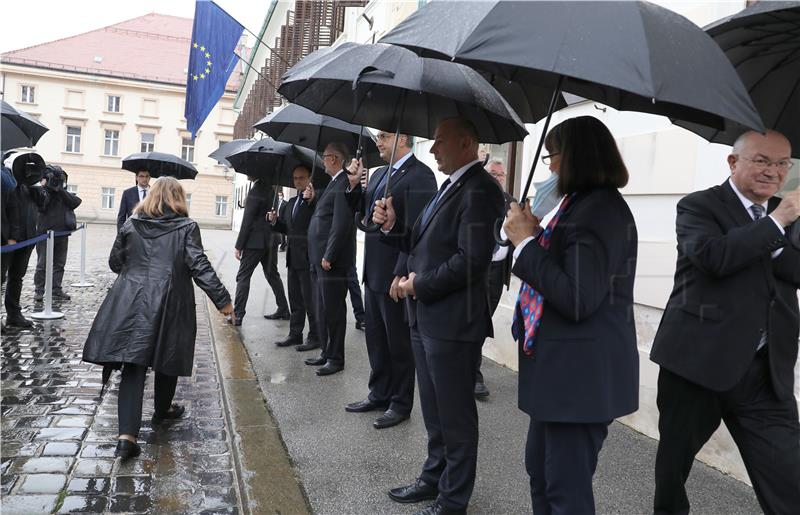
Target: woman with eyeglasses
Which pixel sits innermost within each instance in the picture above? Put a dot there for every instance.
(578, 361)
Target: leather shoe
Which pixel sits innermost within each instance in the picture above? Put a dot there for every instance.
(438, 509)
(127, 449)
(417, 491)
(288, 342)
(316, 362)
(388, 419)
(61, 295)
(364, 406)
(18, 321)
(481, 391)
(174, 411)
(329, 368)
(308, 345)
(278, 315)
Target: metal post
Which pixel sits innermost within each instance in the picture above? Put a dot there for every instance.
(48, 313)
(82, 281)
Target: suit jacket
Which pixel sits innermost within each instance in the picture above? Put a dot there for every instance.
(728, 291)
(130, 198)
(412, 187)
(332, 232)
(256, 231)
(296, 230)
(450, 256)
(585, 364)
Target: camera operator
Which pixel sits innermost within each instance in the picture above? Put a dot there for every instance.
(58, 214)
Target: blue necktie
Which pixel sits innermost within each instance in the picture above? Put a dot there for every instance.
(296, 206)
(429, 209)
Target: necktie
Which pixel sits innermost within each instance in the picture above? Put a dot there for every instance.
(296, 207)
(429, 209)
(758, 211)
(378, 193)
(530, 302)
(144, 193)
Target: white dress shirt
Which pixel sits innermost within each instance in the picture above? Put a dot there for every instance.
(746, 202)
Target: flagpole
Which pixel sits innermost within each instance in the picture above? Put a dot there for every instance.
(257, 72)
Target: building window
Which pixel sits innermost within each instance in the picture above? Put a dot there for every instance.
(221, 208)
(73, 139)
(148, 141)
(72, 188)
(107, 198)
(111, 147)
(187, 149)
(28, 94)
(114, 102)
(188, 200)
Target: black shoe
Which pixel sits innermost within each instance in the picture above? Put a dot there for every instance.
(329, 369)
(389, 419)
(289, 341)
(278, 315)
(61, 295)
(417, 491)
(18, 321)
(174, 411)
(38, 297)
(361, 325)
(316, 362)
(481, 392)
(127, 449)
(364, 406)
(308, 345)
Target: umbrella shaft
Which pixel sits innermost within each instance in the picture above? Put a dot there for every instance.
(387, 189)
(552, 108)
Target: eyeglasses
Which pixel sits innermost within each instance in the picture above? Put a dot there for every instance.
(764, 163)
(326, 156)
(546, 159)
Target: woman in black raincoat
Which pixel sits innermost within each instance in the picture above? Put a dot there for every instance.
(148, 317)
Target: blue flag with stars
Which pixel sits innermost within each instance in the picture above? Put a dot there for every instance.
(215, 35)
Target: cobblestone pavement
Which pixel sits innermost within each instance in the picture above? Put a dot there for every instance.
(58, 435)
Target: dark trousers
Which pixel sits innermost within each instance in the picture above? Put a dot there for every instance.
(60, 246)
(131, 394)
(331, 311)
(301, 303)
(446, 380)
(561, 459)
(269, 264)
(354, 287)
(496, 284)
(391, 378)
(15, 264)
(766, 431)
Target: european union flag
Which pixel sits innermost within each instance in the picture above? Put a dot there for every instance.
(211, 60)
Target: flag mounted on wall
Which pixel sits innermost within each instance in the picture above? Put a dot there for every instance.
(215, 35)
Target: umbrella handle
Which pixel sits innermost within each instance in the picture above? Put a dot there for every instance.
(794, 234)
(365, 226)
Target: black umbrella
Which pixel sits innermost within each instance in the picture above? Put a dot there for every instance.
(296, 124)
(628, 55)
(392, 89)
(158, 164)
(273, 161)
(19, 129)
(229, 148)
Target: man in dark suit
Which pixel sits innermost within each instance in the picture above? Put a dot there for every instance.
(254, 245)
(133, 196)
(449, 249)
(728, 339)
(391, 380)
(293, 222)
(279, 208)
(331, 252)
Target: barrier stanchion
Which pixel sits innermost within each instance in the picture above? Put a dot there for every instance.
(82, 283)
(48, 313)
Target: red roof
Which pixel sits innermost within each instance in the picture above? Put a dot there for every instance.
(154, 47)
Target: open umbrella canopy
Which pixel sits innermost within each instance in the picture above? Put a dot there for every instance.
(273, 161)
(18, 129)
(228, 148)
(628, 55)
(160, 164)
(296, 124)
(391, 89)
(763, 43)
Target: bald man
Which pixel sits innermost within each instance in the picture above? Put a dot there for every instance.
(727, 343)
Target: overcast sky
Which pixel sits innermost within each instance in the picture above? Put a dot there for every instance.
(31, 22)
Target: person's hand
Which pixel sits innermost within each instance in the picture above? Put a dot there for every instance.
(520, 223)
(272, 216)
(43, 182)
(354, 172)
(789, 209)
(237, 254)
(406, 286)
(227, 310)
(326, 265)
(309, 193)
(394, 289)
(384, 214)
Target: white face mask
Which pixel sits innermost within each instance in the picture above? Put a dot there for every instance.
(547, 196)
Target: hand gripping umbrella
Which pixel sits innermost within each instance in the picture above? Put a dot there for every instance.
(18, 129)
(628, 55)
(392, 89)
(158, 164)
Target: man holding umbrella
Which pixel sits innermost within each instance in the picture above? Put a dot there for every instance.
(391, 380)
